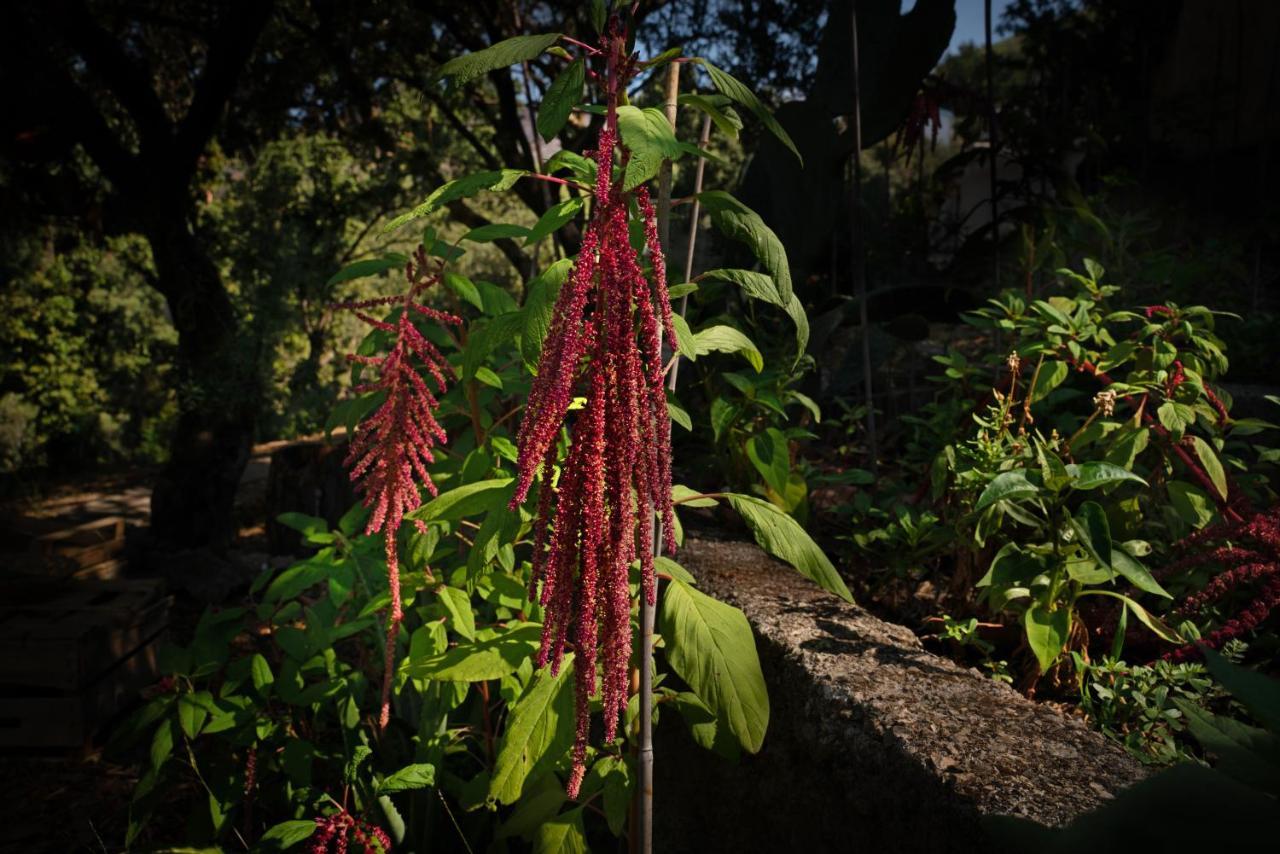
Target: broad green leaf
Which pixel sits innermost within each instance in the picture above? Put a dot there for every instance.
(770, 453)
(464, 288)
(287, 834)
(461, 188)
(738, 222)
(1095, 474)
(617, 791)
(1093, 529)
(1245, 753)
(1006, 486)
(1052, 375)
(684, 337)
(369, 267)
(461, 501)
(731, 87)
(1047, 633)
(458, 604)
(261, 671)
(557, 104)
(539, 302)
(1212, 465)
(726, 339)
(1137, 574)
(462, 69)
(312, 528)
(539, 730)
(717, 107)
(710, 645)
(781, 536)
(495, 231)
(555, 217)
(417, 776)
(491, 658)
(648, 135)
(564, 834)
(666, 565)
(1144, 616)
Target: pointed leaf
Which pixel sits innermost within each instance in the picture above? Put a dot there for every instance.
(781, 536)
(731, 87)
(539, 731)
(564, 92)
(738, 222)
(710, 645)
(462, 69)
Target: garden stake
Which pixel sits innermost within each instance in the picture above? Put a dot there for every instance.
(858, 261)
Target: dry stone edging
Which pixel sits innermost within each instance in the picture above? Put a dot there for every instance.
(874, 743)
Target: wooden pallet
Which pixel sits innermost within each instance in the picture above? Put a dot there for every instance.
(73, 653)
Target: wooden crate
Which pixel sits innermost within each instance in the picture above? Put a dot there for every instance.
(72, 654)
(88, 550)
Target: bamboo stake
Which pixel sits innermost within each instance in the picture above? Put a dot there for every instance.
(643, 831)
(992, 139)
(858, 259)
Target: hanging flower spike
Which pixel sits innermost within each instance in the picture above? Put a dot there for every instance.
(604, 345)
(391, 450)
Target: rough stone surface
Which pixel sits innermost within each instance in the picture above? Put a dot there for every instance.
(874, 744)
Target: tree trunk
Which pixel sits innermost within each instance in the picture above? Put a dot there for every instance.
(193, 500)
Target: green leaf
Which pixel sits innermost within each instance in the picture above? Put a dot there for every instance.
(1047, 633)
(731, 87)
(540, 802)
(461, 501)
(1212, 465)
(458, 604)
(555, 217)
(679, 415)
(467, 67)
(485, 338)
(1243, 752)
(287, 834)
(564, 834)
(1091, 525)
(539, 302)
(495, 231)
(1006, 486)
(314, 530)
(464, 288)
(770, 453)
(491, 658)
(417, 776)
(664, 564)
(1259, 694)
(717, 107)
(539, 731)
(557, 104)
(683, 495)
(726, 339)
(738, 222)
(1191, 503)
(648, 135)
(1095, 474)
(1052, 375)
(193, 711)
(369, 267)
(461, 188)
(710, 645)
(1144, 616)
(261, 671)
(1137, 574)
(781, 536)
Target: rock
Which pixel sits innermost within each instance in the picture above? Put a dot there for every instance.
(874, 744)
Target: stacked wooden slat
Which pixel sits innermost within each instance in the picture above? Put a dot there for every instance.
(73, 653)
(93, 549)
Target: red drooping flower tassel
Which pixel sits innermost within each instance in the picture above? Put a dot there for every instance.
(335, 833)
(1250, 560)
(604, 345)
(390, 452)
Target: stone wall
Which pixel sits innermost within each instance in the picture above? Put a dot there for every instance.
(874, 744)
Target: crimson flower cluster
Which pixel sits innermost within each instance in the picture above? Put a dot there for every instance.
(334, 835)
(391, 450)
(604, 345)
(1250, 556)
